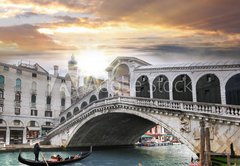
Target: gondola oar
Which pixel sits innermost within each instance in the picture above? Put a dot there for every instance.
(44, 159)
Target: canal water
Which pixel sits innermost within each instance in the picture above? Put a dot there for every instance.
(178, 155)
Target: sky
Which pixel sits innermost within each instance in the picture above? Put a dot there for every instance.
(49, 32)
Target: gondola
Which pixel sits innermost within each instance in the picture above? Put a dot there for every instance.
(43, 163)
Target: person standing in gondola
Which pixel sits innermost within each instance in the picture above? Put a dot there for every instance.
(36, 151)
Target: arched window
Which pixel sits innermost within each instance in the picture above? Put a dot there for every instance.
(63, 101)
(34, 85)
(160, 87)
(69, 114)
(182, 88)
(76, 110)
(49, 100)
(62, 119)
(92, 98)
(208, 89)
(33, 98)
(1, 81)
(18, 96)
(103, 93)
(84, 104)
(142, 87)
(233, 90)
(18, 83)
(1, 94)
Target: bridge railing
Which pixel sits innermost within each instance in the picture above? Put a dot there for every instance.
(232, 111)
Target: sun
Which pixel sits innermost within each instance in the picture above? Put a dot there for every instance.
(92, 62)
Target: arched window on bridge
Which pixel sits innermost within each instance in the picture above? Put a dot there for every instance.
(208, 89)
(69, 114)
(161, 87)
(182, 88)
(92, 98)
(62, 119)
(142, 87)
(233, 90)
(121, 80)
(84, 104)
(76, 110)
(103, 93)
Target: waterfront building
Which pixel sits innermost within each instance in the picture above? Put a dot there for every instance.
(31, 100)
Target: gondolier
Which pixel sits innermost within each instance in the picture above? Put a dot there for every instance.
(36, 151)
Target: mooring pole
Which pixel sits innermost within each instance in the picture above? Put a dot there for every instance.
(202, 142)
(208, 147)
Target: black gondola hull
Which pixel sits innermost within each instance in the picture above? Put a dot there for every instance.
(43, 163)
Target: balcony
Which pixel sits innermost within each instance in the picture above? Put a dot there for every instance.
(47, 93)
(33, 105)
(48, 107)
(1, 101)
(1, 86)
(17, 103)
(62, 108)
(33, 91)
(18, 89)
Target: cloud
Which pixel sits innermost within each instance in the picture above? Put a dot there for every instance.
(26, 37)
(214, 15)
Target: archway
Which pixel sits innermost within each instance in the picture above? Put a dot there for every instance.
(182, 88)
(233, 90)
(84, 104)
(208, 89)
(161, 87)
(62, 119)
(142, 87)
(103, 93)
(76, 110)
(92, 98)
(121, 80)
(69, 115)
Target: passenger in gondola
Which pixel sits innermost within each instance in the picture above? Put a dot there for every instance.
(53, 158)
(59, 158)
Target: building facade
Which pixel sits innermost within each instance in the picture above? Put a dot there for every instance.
(31, 100)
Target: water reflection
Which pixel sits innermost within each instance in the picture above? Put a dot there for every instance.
(178, 155)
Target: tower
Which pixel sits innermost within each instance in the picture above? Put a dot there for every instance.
(73, 71)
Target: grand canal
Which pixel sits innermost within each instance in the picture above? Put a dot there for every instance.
(178, 155)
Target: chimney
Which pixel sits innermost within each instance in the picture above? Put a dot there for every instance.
(55, 70)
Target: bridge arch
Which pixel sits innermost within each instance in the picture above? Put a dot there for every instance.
(75, 110)
(208, 89)
(160, 87)
(182, 88)
(84, 104)
(62, 119)
(92, 98)
(103, 93)
(69, 115)
(233, 90)
(142, 87)
(139, 122)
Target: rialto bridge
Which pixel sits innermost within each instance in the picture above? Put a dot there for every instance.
(137, 96)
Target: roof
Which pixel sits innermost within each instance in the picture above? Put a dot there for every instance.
(130, 59)
(192, 65)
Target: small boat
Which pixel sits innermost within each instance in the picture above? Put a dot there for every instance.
(49, 163)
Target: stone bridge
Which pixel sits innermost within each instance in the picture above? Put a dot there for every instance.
(122, 120)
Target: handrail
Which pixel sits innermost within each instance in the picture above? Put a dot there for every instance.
(220, 110)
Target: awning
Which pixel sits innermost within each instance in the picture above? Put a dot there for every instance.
(16, 128)
(3, 128)
(33, 128)
(146, 136)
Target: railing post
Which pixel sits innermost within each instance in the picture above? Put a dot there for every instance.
(202, 143)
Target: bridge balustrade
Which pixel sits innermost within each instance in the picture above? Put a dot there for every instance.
(149, 105)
